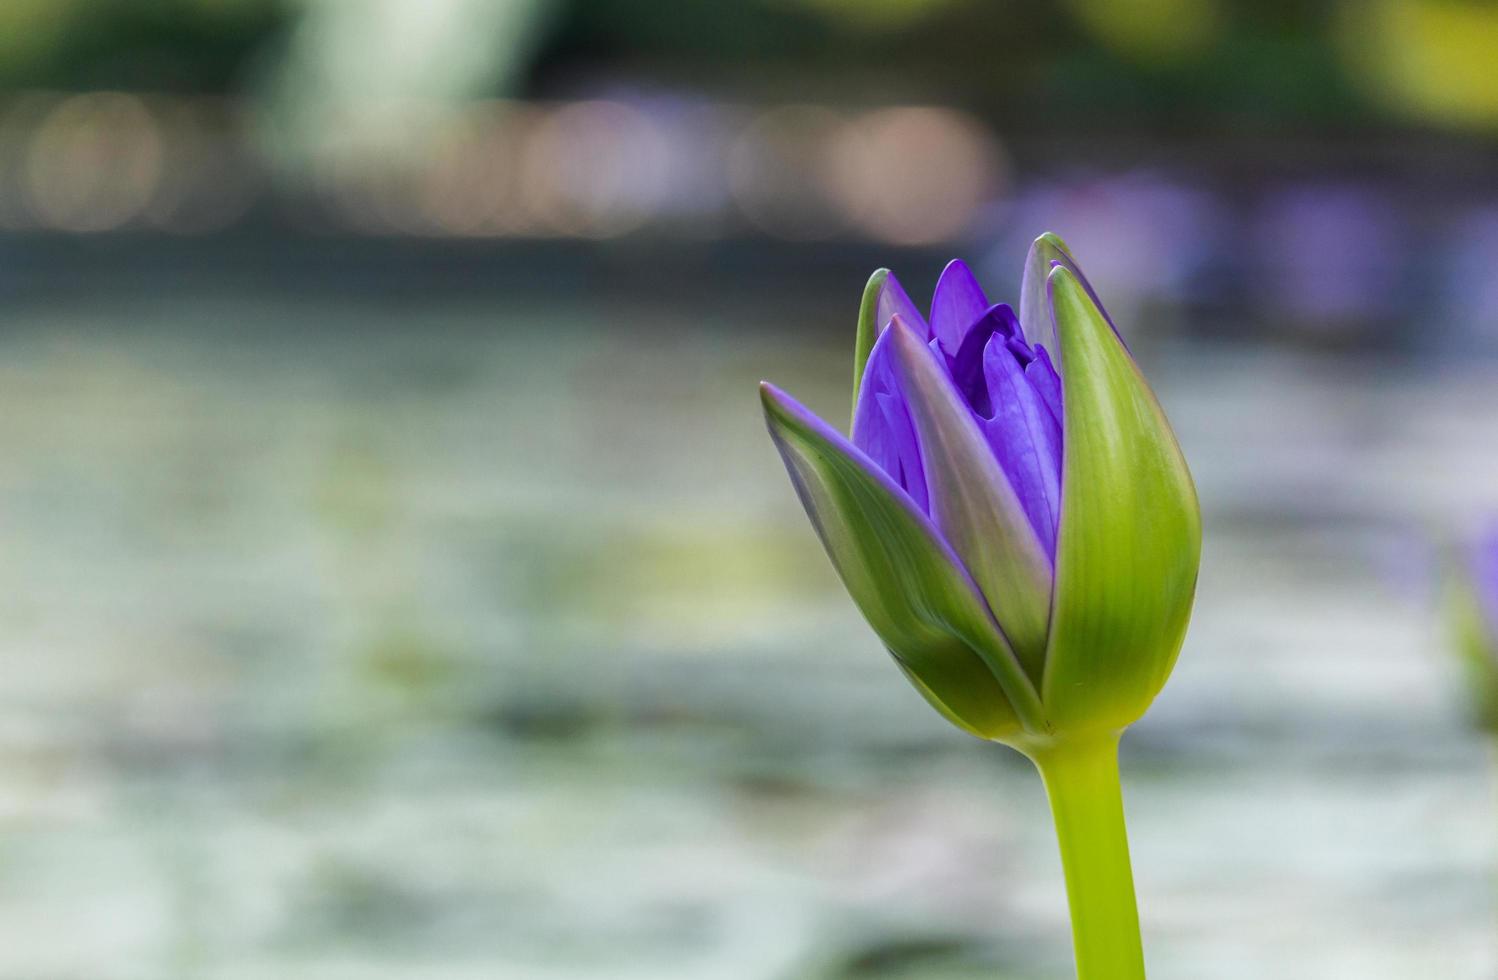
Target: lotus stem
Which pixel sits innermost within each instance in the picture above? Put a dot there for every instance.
(1082, 782)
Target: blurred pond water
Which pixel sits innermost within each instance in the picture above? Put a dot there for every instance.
(409, 639)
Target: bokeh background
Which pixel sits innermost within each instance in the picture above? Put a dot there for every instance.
(397, 580)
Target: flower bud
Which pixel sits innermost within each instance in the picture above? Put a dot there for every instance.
(1011, 511)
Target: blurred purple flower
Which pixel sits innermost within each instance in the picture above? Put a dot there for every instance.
(1470, 291)
(1146, 235)
(1330, 255)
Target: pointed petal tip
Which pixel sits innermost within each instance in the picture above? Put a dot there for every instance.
(1065, 279)
(778, 405)
(1058, 281)
(1050, 238)
(888, 287)
(1064, 287)
(957, 303)
(892, 299)
(874, 288)
(783, 414)
(908, 341)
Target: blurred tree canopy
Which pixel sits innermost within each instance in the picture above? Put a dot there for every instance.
(172, 45)
(1173, 64)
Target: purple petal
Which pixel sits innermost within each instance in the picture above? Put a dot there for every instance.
(912, 477)
(882, 426)
(957, 305)
(1026, 439)
(1041, 374)
(967, 364)
(894, 302)
(971, 499)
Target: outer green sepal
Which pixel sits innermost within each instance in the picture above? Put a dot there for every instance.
(1049, 252)
(904, 579)
(868, 329)
(1129, 545)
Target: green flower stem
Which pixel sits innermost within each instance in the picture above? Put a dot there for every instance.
(1081, 780)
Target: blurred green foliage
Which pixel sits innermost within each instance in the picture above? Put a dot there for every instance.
(158, 45)
(1180, 64)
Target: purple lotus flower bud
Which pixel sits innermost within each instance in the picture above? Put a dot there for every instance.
(1011, 511)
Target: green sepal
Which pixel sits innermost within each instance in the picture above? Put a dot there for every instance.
(905, 580)
(1129, 545)
(868, 329)
(970, 699)
(1046, 253)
